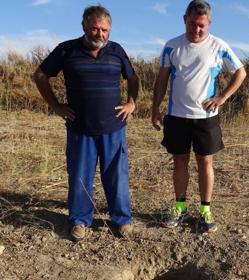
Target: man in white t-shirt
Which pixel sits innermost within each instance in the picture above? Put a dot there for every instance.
(193, 61)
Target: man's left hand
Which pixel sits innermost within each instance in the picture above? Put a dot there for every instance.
(211, 104)
(125, 110)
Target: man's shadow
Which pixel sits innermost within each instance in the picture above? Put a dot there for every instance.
(157, 219)
(22, 209)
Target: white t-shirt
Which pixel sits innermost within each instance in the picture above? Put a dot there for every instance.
(194, 69)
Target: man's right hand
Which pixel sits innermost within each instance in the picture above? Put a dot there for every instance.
(156, 119)
(42, 82)
(64, 111)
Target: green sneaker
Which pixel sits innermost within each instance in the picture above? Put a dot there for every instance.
(206, 223)
(175, 218)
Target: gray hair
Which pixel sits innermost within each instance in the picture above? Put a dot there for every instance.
(198, 7)
(95, 11)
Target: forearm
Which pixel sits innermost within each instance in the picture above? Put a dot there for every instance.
(44, 87)
(160, 87)
(126, 109)
(159, 93)
(234, 84)
(211, 104)
(133, 86)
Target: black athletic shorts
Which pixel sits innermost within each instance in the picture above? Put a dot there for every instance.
(180, 134)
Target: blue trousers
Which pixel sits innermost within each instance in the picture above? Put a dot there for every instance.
(83, 153)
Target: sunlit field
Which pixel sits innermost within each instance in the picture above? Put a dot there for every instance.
(34, 235)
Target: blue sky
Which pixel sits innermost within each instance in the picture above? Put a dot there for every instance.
(140, 26)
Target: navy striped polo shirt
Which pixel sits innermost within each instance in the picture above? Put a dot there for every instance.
(92, 84)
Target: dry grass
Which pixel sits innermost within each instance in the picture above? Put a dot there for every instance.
(33, 191)
(32, 155)
(18, 91)
(32, 149)
(33, 211)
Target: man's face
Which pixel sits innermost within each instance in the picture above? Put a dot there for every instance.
(196, 27)
(97, 31)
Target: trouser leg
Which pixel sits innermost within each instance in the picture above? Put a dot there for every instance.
(115, 175)
(81, 165)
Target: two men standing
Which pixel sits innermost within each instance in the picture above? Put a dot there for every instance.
(96, 117)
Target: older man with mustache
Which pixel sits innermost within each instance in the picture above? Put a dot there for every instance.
(95, 118)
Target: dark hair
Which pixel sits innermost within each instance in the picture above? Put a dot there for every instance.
(198, 7)
(95, 11)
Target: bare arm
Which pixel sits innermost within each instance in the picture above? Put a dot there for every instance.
(44, 87)
(128, 108)
(237, 78)
(159, 93)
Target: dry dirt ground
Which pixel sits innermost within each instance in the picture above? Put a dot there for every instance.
(34, 239)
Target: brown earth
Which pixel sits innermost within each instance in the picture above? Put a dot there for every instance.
(34, 239)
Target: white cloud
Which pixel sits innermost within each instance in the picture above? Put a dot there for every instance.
(157, 41)
(244, 10)
(161, 42)
(24, 43)
(241, 46)
(145, 54)
(160, 8)
(147, 49)
(142, 50)
(40, 2)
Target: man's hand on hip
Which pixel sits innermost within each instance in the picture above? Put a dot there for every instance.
(64, 111)
(125, 110)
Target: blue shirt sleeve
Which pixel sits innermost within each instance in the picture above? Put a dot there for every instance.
(127, 69)
(53, 63)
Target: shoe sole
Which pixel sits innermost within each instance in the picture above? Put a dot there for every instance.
(182, 220)
(76, 239)
(212, 230)
(204, 230)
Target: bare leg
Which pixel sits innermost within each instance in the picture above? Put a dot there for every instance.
(181, 175)
(206, 176)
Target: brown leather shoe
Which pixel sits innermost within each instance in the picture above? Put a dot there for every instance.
(126, 230)
(78, 232)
